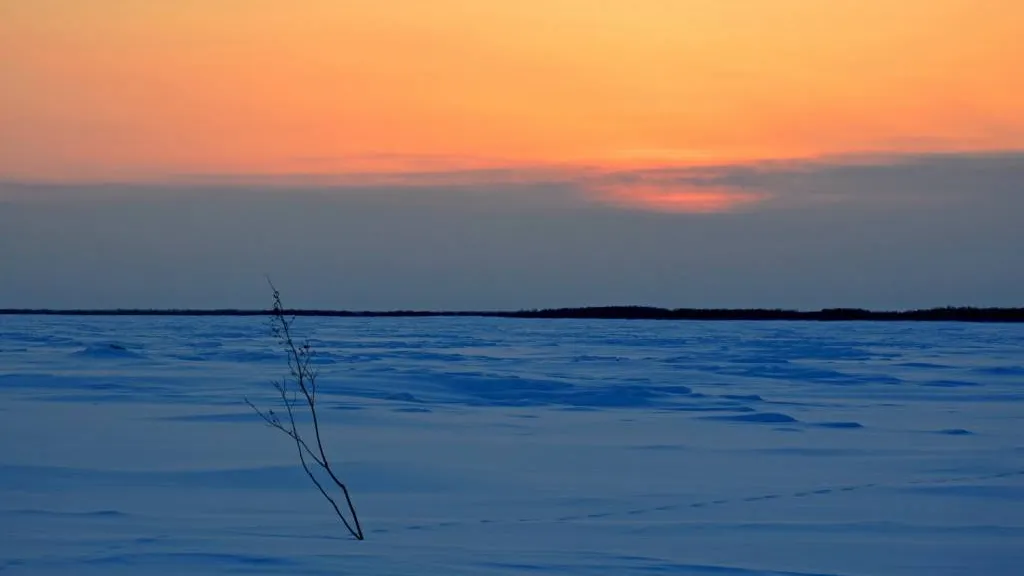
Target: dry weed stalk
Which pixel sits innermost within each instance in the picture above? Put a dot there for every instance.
(296, 390)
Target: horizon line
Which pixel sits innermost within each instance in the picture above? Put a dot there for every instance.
(629, 312)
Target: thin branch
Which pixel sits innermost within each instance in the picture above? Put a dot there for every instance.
(274, 422)
(303, 381)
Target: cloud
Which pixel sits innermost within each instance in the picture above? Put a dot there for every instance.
(878, 232)
(883, 181)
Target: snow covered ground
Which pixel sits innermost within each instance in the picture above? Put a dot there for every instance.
(490, 446)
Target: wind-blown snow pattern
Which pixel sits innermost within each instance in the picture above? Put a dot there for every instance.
(502, 446)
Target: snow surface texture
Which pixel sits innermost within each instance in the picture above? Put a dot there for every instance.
(497, 446)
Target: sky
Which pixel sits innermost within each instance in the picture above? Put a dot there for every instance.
(506, 154)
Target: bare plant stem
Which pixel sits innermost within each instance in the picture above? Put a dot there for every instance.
(300, 388)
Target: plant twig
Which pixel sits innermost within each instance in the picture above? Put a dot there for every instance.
(301, 382)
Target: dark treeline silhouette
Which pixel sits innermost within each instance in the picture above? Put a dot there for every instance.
(947, 314)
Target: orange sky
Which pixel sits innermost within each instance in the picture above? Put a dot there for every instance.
(146, 89)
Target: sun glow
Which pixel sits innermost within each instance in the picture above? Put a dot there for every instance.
(675, 198)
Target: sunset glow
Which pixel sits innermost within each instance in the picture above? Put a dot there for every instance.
(668, 198)
(141, 90)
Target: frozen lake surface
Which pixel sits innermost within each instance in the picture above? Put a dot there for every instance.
(499, 446)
